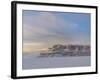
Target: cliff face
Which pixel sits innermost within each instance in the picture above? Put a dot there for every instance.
(67, 50)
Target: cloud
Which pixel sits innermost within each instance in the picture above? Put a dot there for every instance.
(29, 47)
(47, 28)
(46, 24)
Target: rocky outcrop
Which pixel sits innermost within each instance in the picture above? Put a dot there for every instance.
(67, 50)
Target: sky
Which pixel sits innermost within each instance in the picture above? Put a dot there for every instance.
(42, 30)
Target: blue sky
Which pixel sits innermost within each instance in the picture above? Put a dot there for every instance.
(44, 29)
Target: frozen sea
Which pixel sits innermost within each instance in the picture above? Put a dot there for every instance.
(32, 61)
